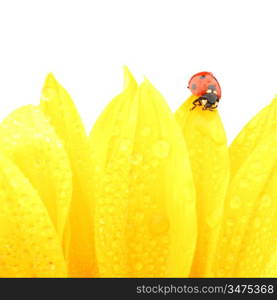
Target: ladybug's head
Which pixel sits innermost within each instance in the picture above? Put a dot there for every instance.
(210, 97)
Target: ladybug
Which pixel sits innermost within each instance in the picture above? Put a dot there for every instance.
(206, 86)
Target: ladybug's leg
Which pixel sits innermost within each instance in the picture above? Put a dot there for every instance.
(209, 106)
(214, 106)
(196, 103)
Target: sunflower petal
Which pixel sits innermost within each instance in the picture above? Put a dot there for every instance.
(248, 236)
(251, 135)
(27, 138)
(207, 144)
(58, 106)
(145, 199)
(271, 266)
(29, 245)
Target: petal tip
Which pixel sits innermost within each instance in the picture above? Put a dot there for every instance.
(50, 80)
(129, 79)
(147, 83)
(50, 76)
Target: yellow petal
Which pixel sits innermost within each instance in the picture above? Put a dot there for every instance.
(271, 266)
(145, 199)
(29, 245)
(79, 239)
(206, 140)
(251, 135)
(27, 138)
(248, 236)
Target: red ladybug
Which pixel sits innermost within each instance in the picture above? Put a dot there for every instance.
(205, 85)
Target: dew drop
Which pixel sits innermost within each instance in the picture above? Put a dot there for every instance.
(159, 224)
(125, 145)
(137, 159)
(97, 169)
(139, 216)
(235, 202)
(155, 163)
(138, 266)
(266, 200)
(102, 221)
(244, 220)
(257, 223)
(116, 268)
(151, 268)
(111, 209)
(108, 188)
(146, 131)
(229, 223)
(243, 184)
(214, 218)
(147, 200)
(52, 266)
(49, 93)
(236, 241)
(116, 131)
(161, 149)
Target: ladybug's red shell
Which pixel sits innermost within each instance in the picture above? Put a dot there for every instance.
(201, 82)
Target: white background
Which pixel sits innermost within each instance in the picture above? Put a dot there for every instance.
(85, 44)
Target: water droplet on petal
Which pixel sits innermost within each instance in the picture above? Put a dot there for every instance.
(138, 266)
(125, 145)
(139, 216)
(257, 223)
(137, 159)
(146, 131)
(97, 169)
(214, 218)
(161, 149)
(266, 200)
(116, 131)
(159, 224)
(102, 221)
(235, 202)
(155, 163)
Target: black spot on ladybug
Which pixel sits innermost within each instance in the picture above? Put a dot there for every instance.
(211, 87)
(202, 76)
(193, 87)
